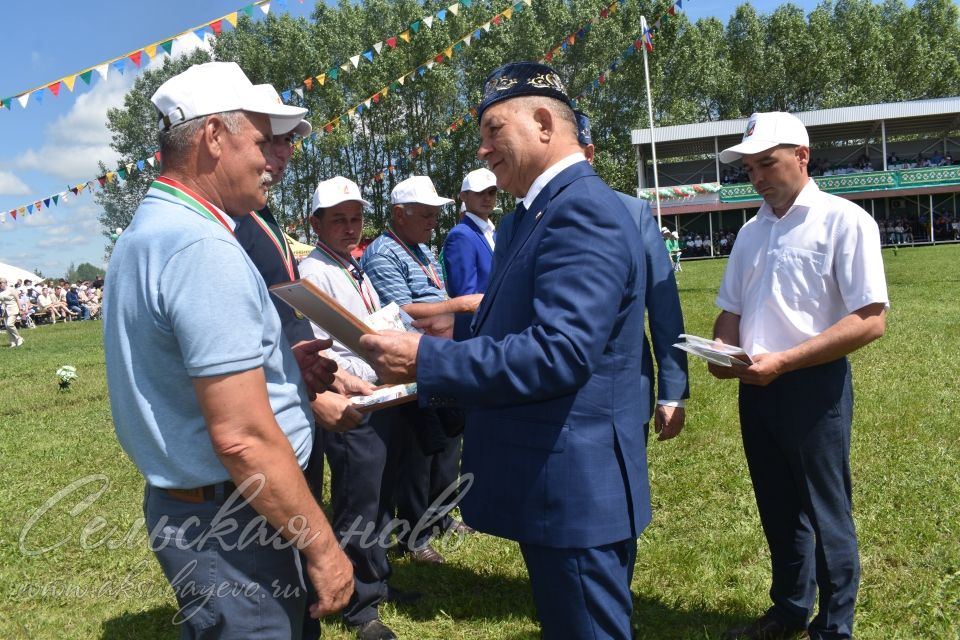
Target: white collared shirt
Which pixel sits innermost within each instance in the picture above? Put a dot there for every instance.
(791, 278)
(544, 178)
(486, 227)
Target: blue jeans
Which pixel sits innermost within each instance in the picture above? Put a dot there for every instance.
(230, 581)
(82, 309)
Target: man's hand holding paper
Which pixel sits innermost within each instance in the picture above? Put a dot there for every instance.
(392, 354)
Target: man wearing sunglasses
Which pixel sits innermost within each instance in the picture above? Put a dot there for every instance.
(468, 249)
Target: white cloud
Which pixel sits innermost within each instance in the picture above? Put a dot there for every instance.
(73, 163)
(51, 240)
(75, 142)
(11, 185)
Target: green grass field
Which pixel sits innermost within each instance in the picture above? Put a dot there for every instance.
(74, 561)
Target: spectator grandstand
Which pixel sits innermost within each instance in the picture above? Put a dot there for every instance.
(895, 160)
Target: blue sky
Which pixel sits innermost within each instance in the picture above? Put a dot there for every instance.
(57, 143)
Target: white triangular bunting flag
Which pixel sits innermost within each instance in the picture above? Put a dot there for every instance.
(356, 61)
(401, 79)
(345, 66)
(103, 70)
(454, 9)
(298, 91)
(265, 7)
(486, 27)
(366, 103)
(151, 160)
(377, 47)
(23, 99)
(430, 65)
(428, 20)
(466, 40)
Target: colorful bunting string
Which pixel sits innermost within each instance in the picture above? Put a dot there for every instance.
(377, 49)
(573, 37)
(684, 191)
(135, 58)
(124, 172)
(417, 72)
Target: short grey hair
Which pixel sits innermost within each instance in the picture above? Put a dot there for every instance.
(177, 140)
(562, 112)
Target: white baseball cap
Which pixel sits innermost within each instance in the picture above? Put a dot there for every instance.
(419, 190)
(303, 128)
(664, 230)
(478, 180)
(218, 87)
(765, 131)
(332, 192)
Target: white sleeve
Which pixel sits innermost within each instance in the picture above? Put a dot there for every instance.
(858, 263)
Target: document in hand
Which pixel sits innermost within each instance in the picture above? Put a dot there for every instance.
(346, 328)
(718, 353)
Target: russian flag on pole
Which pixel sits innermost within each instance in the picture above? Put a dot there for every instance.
(648, 40)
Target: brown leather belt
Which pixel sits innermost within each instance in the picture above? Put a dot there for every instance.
(202, 494)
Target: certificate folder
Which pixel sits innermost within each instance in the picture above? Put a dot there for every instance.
(346, 328)
(324, 311)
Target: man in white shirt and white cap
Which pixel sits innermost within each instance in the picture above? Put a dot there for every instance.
(468, 249)
(357, 457)
(803, 288)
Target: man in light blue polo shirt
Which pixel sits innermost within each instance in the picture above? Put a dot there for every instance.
(207, 396)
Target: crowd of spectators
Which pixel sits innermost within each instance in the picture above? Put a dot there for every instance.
(697, 245)
(45, 302)
(903, 230)
(822, 167)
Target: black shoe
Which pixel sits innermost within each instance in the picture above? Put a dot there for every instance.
(460, 528)
(426, 554)
(766, 627)
(402, 597)
(375, 630)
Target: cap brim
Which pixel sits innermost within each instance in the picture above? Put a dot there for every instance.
(430, 202)
(333, 203)
(746, 148)
(283, 124)
(303, 129)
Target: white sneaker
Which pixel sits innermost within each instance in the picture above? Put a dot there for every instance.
(19, 342)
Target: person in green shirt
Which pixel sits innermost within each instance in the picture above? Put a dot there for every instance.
(673, 247)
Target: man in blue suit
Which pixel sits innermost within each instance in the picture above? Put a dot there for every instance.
(664, 315)
(554, 443)
(468, 249)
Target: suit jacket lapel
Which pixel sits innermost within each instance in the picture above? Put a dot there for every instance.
(538, 209)
(483, 239)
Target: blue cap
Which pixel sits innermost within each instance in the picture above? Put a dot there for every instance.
(583, 128)
(517, 79)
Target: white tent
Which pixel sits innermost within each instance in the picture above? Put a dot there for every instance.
(12, 274)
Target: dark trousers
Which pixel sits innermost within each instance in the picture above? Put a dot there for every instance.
(582, 593)
(229, 580)
(796, 436)
(427, 462)
(360, 501)
(314, 474)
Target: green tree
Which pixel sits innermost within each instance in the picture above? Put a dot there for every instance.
(843, 53)
(85, 271)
